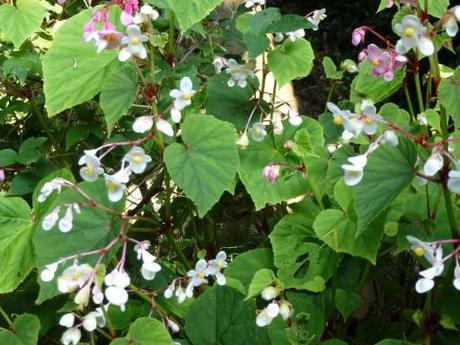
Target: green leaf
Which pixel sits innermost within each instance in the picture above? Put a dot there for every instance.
(437, 8)
(291, 60)
(118, 93)
(75, 135)
(335, 229)
(7, 157)
(73, 71)
(388, 172)
(449, 96)
(290, 23)
(29, 150)
(190, 12)
(262, 20)
(347, 302)
(391, 112)
(26, 328)
(366, 86)
(230, 103)
(248, 263)
(256, 44)
(263, 278)
(331, 69)
(16, 248)
(221, 316)
(394, 342)
(205, 165)
(343, 194)
(302, 263)
(252, 161)
(92, 229)
(145, 331)
(20, 22)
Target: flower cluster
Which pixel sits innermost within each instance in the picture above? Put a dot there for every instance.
(384, 62)
(293, 36)
(198, 276)
(239, 73)
(274, 308)
(316, 17)
(65, 224)
(433, 253)
(89, 322)
(450, 21)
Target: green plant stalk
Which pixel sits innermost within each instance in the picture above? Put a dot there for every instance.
(6, 317)
(409, 103)
(330, 93)
(113, 333)
(419, 92)
(172, 38)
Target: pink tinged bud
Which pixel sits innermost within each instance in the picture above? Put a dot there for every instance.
(271, 172)
(362, 55)
(60, 2)
(358, 36)
(126, 18)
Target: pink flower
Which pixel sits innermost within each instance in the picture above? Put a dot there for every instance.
(384, 62)
(358, 36)
(271, 172)
(129, 8)
(108, 39)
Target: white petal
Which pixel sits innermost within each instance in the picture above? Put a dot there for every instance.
(164, 127)
(67, 320)
(433, 165)
(143, 124)
(186, 84)
(457, 283)
(352, 174)
(429, 273)
(90, 324)
(176, 115)
(221, 280)
(124, 54)
(116, 296)
(273, 309)
(263, 319)
(295, 120)
(358, 161)
(424, 285)
(426, 46)
(47, 275)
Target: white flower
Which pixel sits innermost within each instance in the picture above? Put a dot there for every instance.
(67, 320)
(258, 132)
(391, 138)
(358, 161)
(352, 174)
(285, 310)
(183, 95)
(92, 169)
(150, 269)
(71, 337)
(294, 118)
(116, 184)
(215, 267)
(198, 275)
(118, 278)
(456, 281)
(267, 314)
(449, 22)
(316, 17)
(74, 277)
(453, 183)
(238, 73)
(339, 115)
(176, 115)
(296, 34)
(82, 296)
(434, 163)
(51, 219)
(369, 124)
(219, 63)
(426, 283)
(251, 3)
(143, 124)
(93, 320)
(164, 127)
(137, 159)
(269, 293)
(146, 14)
(66, 223)
(47, 274)
(117, 281)
(422, 120)
(50, 187)
(174, 327)
(134, 44)
(169, 290)
(98, 295)
(412, 34)
(180, 294)
(432, 253)
(243, 141)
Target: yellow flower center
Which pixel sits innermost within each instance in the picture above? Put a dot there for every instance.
(419, 251)
(76, 276)
(375, 62)
(111, 37)
(88, 170)
(112, 186)
(137, 159)
(354, 173)
(187, 96)
(135, 41)
(368, 120)
(220, 265)
(201, 275)
(338, 120)
(409, 32)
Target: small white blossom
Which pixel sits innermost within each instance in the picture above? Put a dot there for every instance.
(174, 327)
(48, 273)
(51, 219)
(134, 42)
(258, 132)
(67, 320)
(434, 163)
(391, 138)
(164, 127)
(98, 295)
(66, 223)
(266, 316)
(49, 188)
(317, 17)
(453, 183)
(456, 281)
(285, 310)
(251, 3)
(238, 73)
(413, 35)
(269, 293)
(137, 159)
(145, 14)
(293, 36)
(422, 120)
(117, 281)
(116, 184)
(352, 174)
(219, 64)
(183, 96)
(243, 141)
(93, 320)
(450, 21)
(198, 275)
(74, 277)
(176, 115)
(92, 169)
(143, 124)
(71, 337)
(294, 118)
(215, 267)
(83, 295)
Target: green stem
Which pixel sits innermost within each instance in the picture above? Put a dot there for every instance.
(409, 103)
(330, 93)
(105, 334)
(419, 92)
(6, 317)
(113, 333)
(172, 38)
(450, 212)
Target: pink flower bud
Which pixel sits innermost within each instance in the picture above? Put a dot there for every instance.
(271, 172)
(358, 36)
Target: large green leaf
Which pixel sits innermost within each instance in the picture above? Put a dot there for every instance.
(145, 331)
(73, 71)
(449, 96)
(339, 232)
(92, 229)
(302, 263)
(347, 302)
(388, 172)
(255, 157)
(205, 165)
(16, 248)
(262, 278)
(291, 60)
(230, 103)
(221, 316)
(25, 331)
(118, 93)
(189, 12)
(20, 22)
